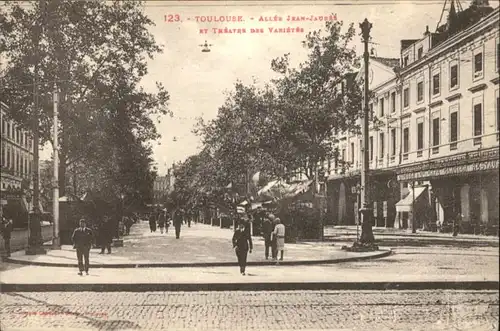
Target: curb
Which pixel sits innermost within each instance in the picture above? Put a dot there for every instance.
(207, 287)
(383, 253)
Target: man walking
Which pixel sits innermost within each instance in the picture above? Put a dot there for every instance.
(105, 235)
(242, 244)
(178, 218)
(82, 241)
(267, 229)
(6, 227)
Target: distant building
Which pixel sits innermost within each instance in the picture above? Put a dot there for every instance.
(163, 185)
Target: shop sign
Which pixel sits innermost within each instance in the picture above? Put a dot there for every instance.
(465, 158)
(450, 170)
(384, 206)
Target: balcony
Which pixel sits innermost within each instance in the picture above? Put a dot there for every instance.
(435, 150)
(405, 157)
(420, 153)
(453, 146)
(477, 141)
(392, 159)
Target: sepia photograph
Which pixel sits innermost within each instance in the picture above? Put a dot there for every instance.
(249, 165)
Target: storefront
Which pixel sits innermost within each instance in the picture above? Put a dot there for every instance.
(463, 186)
(344, 196)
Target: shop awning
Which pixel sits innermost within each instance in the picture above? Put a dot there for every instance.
(406, 204)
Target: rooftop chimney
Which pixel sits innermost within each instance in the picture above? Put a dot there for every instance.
(480, 3)
(427, 32)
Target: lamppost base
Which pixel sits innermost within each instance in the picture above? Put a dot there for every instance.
(117, 242)
(56, 243)
(360, 247)
(35, 250)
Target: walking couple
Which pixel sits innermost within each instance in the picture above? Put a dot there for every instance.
(274, 237)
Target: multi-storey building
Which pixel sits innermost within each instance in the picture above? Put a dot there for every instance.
(16, 168)
(434, 141)
(163, 185)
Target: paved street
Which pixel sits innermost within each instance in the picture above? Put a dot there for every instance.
(411, 261)
(297, 310)
(199, 243)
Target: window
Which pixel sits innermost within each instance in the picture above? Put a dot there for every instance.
(371, 111)
(406, 97)
(453, 130)
(435, 84)
(29, 167)
(8, 158)
(26, 166)
(343, 154)
(420, 91)
(453, 76)
(420, 52)
(478, 119)
(393, 102)
(498, 55)
(478, 64)
(352, 153)
(393, 142)
(406, 60)
(4, 127)
(3, 156)
(420, 136)
(381, 102)
(435, 134)
(371, 148)
(406, 140)
(498, 113)
(21, 164)
(360, 156)
(8, 130)
(381, 144)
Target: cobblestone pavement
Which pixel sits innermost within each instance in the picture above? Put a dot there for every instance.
(296, 310)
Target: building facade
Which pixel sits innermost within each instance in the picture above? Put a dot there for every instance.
(163, 185)
(434, 138)
(16, 169)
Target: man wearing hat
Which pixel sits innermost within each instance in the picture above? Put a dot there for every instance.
(242, 244)
(82, 241)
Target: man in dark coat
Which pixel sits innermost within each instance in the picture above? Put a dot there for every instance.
(267, 229)
(242, 244)
(178, 218)
(82, 241)
(105, 235)
(6, 227)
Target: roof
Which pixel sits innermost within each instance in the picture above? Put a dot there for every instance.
(387, 61)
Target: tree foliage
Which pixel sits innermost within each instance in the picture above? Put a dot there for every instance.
(96, 52)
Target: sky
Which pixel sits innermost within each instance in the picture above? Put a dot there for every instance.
(197, 81)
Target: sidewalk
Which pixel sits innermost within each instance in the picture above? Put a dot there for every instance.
(408, 268)
(199, 246)
(348, 232)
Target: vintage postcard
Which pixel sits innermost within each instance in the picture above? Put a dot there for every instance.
(249, 165)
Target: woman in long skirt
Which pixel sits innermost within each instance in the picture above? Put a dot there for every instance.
(279, 234)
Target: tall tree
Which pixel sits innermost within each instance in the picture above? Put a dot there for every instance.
(317, 100)
(96, 52)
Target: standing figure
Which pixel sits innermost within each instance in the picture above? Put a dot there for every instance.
(105, 235)
(128, 224)
(82, 241)
(161, 220)
(267, 230)
(6, 227)
(279, 233)
(152, 222)
(178, 219)
(456, 224)
(242, 244)
(189, 216)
